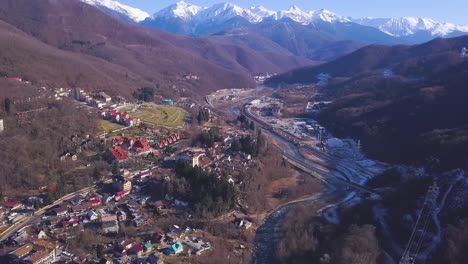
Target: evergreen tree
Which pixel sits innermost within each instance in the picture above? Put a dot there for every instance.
(61, 186)
(7, 103)
(96, 174)
(100, 251)
(116, 169)
(252, 125)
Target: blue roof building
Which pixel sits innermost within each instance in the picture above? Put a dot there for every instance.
(168, 102)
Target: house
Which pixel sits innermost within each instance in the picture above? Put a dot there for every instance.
(145, 173)
(192, 157)
(175, 248)
(175, 233)
(12, 205)
(139, 250)
(168, 140)
(105, 97)
(159, 204)
(72, 221)
(95, 201)
(168, 102)
(80, 208)
(244, 223)
(42, 235)
(37, 252)
(148, 247)
(109, 224)
(118, 141)
(108, 198)
(41, 257)
(119, 184)
(92, 215)
(61, 210)
(22, 251)
(117, 154)
(180, 203)
(141, 146)
(121, 216)
(120, 195)
(139, 221)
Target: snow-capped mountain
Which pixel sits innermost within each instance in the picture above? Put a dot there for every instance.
(294, 13)
(262, 11)
(118, 10)
(180, 10)
(327, 16)
(191, 17)
(255, 14)
(224, 12)
(406, 26)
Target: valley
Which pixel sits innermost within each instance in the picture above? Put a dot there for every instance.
(219, 133)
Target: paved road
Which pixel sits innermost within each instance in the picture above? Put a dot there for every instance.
(38, 213)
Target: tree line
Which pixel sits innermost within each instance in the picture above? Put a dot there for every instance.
(206, 193)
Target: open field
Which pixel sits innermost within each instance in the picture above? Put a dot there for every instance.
(158, 115)
(106, 126)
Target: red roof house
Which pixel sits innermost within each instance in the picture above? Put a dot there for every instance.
(95, 201)
(12, 205)
(141, 146)
(117, 154)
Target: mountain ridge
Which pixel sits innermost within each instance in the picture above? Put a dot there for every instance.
(398, 27)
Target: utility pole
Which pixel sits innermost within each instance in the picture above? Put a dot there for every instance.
(419, 231)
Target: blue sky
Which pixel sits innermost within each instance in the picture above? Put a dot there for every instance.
(455, 11)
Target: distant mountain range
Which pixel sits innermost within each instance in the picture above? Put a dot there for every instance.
(197, 16)
(317, 35)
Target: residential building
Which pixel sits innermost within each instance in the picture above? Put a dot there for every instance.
(117, 154)
(141, 146)
(119, 184)
(176, 248)
(109, 224)
(168, 102)
(192, 157)
(105, 97)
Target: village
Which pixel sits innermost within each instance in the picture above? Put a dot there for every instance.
(124, 209)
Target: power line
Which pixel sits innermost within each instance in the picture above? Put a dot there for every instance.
(419, 231)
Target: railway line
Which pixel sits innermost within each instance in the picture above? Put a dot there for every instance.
(299, 162)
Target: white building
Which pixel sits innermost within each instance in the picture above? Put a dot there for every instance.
(192, 157)
(1, 126)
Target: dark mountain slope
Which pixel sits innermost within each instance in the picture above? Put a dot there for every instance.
(418, 112)
(373, 57)
(22, 55)
(156, 57)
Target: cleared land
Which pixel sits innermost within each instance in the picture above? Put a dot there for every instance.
(107, 126)
(158, 115)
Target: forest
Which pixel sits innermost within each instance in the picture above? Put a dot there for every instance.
(206, 193)
(32, 142)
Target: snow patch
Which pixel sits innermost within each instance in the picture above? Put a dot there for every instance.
(134, 14)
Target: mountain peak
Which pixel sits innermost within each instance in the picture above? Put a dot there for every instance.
(132, 13)
(262, 11)
(226, 11)
(294, 8)
(327, 16)
(180, 9)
